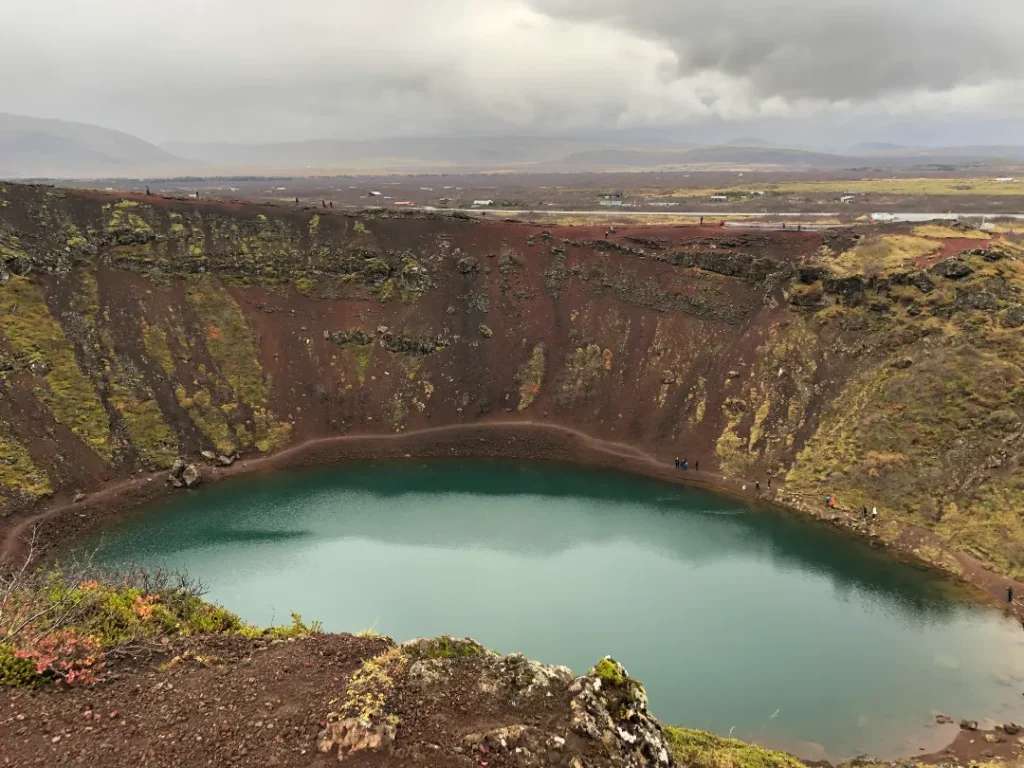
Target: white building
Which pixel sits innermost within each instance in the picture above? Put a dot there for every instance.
(483, 202)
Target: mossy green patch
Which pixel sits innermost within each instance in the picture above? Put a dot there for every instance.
(147, 429)
(232, 346)
(229, 339)
(584, 368)
(362, 356)
(610, 672)
(761, 425)
(929, 442)
(444, 647)
(883, 254)
(157, 347)
(211, 420)
(530, 377)
(370, 688)
(16, 671)
(124, 217)
(700, 749)
(270, 434)
(18, 473)
(38, 339)
(127, 391)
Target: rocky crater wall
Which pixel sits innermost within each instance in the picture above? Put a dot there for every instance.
(881, 366)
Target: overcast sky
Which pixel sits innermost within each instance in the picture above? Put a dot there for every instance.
(267, 70)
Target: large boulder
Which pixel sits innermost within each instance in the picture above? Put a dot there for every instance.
(1013, 316)
(191, 476)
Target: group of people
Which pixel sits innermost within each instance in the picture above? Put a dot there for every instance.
(684, 464)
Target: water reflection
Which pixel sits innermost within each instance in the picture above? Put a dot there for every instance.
(503, 504)
(787, 630)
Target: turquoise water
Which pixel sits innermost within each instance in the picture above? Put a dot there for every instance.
(738, 620)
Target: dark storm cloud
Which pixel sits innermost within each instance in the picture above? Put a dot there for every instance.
(829, 49)
(263, 70)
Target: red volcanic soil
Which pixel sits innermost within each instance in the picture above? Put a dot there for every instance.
(951, 246)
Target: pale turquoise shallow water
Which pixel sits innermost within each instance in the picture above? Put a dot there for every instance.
(737, 619)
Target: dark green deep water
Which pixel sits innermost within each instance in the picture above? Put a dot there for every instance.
(739, 619)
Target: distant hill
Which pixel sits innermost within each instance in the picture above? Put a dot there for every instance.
(391, 154)
(35, 147)
(726, 154)
(872, 147)
(38, 147)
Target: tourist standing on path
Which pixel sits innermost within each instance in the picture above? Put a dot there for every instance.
(696, 466)
(1009, 594)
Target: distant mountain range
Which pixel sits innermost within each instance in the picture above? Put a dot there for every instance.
(43, 148)
(38, 147)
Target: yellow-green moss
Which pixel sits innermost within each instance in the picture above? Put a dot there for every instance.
(584, 366)
(18, 473)
(129, 394)
(36, 337)
(925, 443)
(362, 357)
(210, 419)
(610, 671)
(530, 377)
(882, 254)
(777, 397)
(157, 347)
(369, 689)
(232, 346)
(124, 216)
(229, 340)
(271, 434)
(700, 749)
(148, 431)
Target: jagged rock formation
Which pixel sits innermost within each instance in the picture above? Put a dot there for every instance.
(529, 714)
(883, 366)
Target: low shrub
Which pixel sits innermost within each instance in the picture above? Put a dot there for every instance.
(56, 625)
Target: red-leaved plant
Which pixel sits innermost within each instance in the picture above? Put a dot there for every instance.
(65, 655)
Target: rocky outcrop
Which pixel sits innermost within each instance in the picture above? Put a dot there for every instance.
(745, 266)
(184, 475)
(533, 715)
(609, 706)
(953, 269)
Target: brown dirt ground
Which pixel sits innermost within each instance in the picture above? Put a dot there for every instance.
(228, 701)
